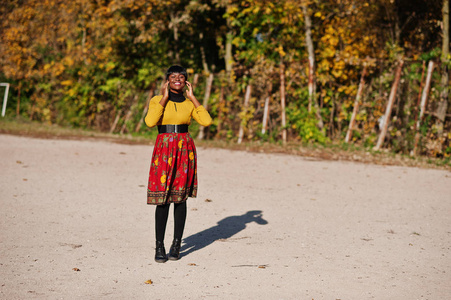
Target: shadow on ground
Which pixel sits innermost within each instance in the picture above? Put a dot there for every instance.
(225, 229)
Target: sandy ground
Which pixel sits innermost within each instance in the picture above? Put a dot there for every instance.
(75, 224)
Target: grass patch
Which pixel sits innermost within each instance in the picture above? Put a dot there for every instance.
(330, 151)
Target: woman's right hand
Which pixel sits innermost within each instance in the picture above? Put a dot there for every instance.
(165, 92)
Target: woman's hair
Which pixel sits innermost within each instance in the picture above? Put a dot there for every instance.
(176, 69)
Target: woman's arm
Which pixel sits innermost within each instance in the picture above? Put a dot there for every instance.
(200, 114)
(164, 100)
(155, 111)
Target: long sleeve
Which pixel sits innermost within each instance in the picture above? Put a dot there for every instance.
(154, 112)
(175, 113)
(201, 115)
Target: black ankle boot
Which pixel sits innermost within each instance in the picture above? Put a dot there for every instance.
(174, 252)
(160, 253)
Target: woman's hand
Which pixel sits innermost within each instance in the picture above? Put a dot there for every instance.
(165, 92)
(190, 91)
(190, 94)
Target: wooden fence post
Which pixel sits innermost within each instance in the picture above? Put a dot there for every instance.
(356, 105)
(265, 115)
(220, 111)
(389, 108)
(420, 90)
(18, 100)
(266, 109)
(247, 98)
(116, 120)
(146, 107)
(195, 80)
(128, 115)
(424, 99)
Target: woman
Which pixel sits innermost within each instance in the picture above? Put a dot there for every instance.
(173, 170)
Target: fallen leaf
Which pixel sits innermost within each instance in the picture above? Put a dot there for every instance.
(24, 179)
(192, 264)
(19, 162)
(208, 200)
(76, 269)
(148, 281)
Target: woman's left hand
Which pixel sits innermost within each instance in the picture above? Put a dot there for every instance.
(190, 94)
(190, 91)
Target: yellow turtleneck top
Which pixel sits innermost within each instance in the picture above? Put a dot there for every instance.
(175, 113)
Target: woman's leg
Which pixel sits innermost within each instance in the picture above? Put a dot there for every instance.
(161, 219)
(179, 219)
(179, 226)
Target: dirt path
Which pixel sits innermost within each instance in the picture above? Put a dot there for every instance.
(263, 227)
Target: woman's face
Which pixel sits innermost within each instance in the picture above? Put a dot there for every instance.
(177, 82)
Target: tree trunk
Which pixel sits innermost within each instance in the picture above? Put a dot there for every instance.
(282, 102)
(424, 99)
(311, 56)
(228, 58)
(202, 53)
(247, 98)
(208, 86)
(311, 73)
(174, 23)
(228, 53)
(444, 97)
(388, 111)
(356, 106)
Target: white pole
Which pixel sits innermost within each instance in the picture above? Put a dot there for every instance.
(5, 97)
(424, 97)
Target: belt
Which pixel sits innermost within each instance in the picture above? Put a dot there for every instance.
(180, 128)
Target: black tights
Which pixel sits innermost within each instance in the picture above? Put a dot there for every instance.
(161, 218)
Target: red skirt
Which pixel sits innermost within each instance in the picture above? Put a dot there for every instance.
(173, 170)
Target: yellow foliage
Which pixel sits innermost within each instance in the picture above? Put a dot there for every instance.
(68, 61)
(337, 73)
(280, 50)
(66, 82)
